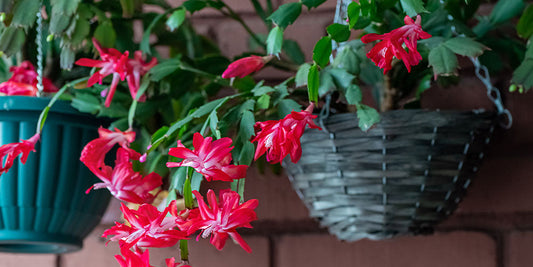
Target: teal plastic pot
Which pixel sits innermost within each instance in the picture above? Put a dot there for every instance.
(43, 205)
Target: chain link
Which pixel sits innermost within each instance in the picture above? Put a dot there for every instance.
(40, 53)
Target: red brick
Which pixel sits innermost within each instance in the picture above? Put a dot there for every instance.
(503, 185)
(17, 260)
(277, 200)
(457, 249)
(94, 252)
(518, 247)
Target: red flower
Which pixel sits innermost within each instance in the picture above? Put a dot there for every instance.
(24, 81)
(210, 158)
(93, 154)
(135, 258)
(11, 151)
(126, 184)
(137, 67)
(244, 66)
(113, 62)
(392, 45)
(147, 227)
(279, 138)
(220, 220)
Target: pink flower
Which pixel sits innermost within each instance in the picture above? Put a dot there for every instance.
(279, 138)
(244, 66)
(24, 81)
(16, 88)
(392, 45)
(171, 262)
(124, 183)
(135, 258)
(9, 152)
(210, 158)
(147, 227)
(220, 220)
(113, 62)
(137, 67)
(93, 154)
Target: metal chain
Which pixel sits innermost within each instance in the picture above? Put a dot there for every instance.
(40, 53)
(482, 73)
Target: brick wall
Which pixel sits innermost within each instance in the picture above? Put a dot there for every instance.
(493, 226)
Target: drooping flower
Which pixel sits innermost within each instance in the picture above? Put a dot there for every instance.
(137, 67)
(113, 62)
(9, 152)
(23, 81)
(210, 158)
(244, 66)
(130, 258)
(280, 138)
(93, 154)
(126, 184)
(148, 227)
(391, 45)
(220, 220)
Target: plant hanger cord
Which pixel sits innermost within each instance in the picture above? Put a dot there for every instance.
(40, 53)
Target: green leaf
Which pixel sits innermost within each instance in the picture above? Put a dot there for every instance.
(301, 75)
(187, 193)
(312, 3)
(59, 23)
(322, 51)
(348, 60)
(525, 24)
(81, 31)
(105, 34)
(522, 74)
(354, 10)
(413, 7)
(159, 133)
(286, 106)
(165, 68)
(353, 94)
(86, 103)
(196, 181)
(261, 90)
(64, 7)
(128, 7)
(194, 5)
(286, 14)
(443, 60)
(176, 19)
(247, 153)
(425, 83)
(145, 42)
(465, 46)
(263, 102)
(338, 32)
(274, 41)
(313, 81)
(293, 50)
(11, 40)
(66, 58)
(341, 77)
(504, 10)
(24, 12)
(367, 117)
(177, 179)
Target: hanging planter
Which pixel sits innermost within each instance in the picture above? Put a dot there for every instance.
(43, 205)
(402, 177)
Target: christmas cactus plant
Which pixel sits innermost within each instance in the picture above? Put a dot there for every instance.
(184, 115)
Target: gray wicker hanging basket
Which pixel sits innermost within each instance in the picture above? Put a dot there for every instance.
(402, 177)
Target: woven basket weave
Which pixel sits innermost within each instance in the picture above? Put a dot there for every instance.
(401, 177)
